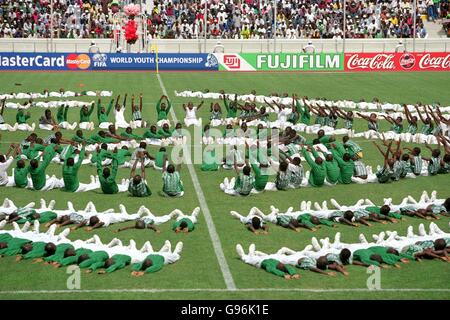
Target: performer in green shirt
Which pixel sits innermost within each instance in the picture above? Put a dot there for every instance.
(103, 114)
(318, 172)
(21, 174)
(61, 118)
(161, 108)
(70, 174)
(277, 268)
(172, 184)
(35, 250)
(116, 262)
(138, 186)
(107, 177)
(85, 117)
(37, 172)
(88, 259)
(152, 263)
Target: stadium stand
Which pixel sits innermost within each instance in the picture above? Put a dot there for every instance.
(229, 19)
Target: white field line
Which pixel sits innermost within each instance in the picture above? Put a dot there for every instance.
(223, 290)
(204, 206)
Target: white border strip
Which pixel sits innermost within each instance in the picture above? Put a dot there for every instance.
(209, 222)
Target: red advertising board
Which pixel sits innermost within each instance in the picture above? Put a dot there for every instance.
(405, 61)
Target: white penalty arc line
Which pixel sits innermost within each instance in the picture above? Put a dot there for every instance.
(229, 282)
(222, 290)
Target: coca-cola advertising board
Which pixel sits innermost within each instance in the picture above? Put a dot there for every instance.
(405, 61)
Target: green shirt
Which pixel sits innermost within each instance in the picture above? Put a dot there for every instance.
(38, 251)
(44, 217)
(121, 156)
(190, 224)
(209, 161)
(307, 263)
(86, 117)
(346, 168)
(363, 255)
(101, 155)
(412, 128)
(332, 171)
(38, 175)
(157, 264)
(352, 147)
(283, 220)
(159, 158)
(318, 172)
(70, 174)
(59, 252)
(96, 138)
(94, 257)
(231, 109)
(108, 185)
(172, 184)
(270, 265)
(131, 136)
(150, 135)
(377, 210)
(165, 134)
(21, 176)
(120, 262)
(73, 259)
(416, 165)
(306, 219)
(434, 165)
(61, 115)
(139, 190)
(384, 175)
(14, 246)
(21, 117)
(260, 178)
(162, 114)
(103, 116)
(244, 184)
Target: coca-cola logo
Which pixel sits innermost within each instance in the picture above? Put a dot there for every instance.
(407, 61)
(380, 61)
(434, 62)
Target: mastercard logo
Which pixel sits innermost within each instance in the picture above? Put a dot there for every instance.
(78, 61)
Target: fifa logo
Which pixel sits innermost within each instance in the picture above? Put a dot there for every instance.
(99, 60)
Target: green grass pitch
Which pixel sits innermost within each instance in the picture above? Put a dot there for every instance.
(197, 275)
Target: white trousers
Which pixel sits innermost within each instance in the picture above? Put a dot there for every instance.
(26, 127)
(104, 125)
(6, 126)
(67, 125)
(48, 127)
(84, 187)
(86, 125)
(192, 122)
(52, 183)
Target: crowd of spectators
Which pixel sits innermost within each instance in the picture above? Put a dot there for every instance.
(227, 19)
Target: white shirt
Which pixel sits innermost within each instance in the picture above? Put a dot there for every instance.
(3, 168)
(191, 113)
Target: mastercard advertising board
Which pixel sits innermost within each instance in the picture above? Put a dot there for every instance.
(107, 62)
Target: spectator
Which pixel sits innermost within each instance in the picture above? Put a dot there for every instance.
(309, 48)
(400, 47)
(219, 48)
(226, 19)
(93, 48)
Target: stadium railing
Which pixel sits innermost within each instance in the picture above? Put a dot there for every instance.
(231, 45)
